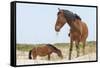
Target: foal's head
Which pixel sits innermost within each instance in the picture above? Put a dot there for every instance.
(59, 53)
(61, 20)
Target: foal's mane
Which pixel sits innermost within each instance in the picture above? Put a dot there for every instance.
(71, 15)
(49, 45)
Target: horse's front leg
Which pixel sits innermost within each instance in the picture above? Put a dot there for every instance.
(48, 56)
(77, 47)
(70, 50)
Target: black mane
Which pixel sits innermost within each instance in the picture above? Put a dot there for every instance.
(70, 15)
(50, 45)
(77, 17)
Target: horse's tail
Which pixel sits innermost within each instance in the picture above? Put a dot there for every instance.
(30, 54)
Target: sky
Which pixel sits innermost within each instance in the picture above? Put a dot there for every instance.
(35, 23)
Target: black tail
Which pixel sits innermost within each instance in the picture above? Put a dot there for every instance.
(30, 54)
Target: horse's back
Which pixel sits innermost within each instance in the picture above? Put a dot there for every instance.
(43, 50)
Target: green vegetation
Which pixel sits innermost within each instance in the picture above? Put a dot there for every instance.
(27, 47)
(24, 47)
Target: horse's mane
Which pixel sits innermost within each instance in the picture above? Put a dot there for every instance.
(71, 15)
(50, 45)
(77, 16)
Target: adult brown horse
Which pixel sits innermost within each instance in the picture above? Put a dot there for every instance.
(44, 50)
(78, 29)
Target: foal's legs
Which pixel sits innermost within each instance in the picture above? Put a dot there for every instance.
(70, 50)
(34, 56)
(48, 56)
(77, 47)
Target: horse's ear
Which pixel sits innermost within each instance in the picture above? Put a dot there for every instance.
(59, 9)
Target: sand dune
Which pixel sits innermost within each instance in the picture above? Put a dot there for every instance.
(23, 59)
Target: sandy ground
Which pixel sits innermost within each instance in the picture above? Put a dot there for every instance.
(22, 58)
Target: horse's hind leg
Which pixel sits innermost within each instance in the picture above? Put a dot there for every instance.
(34, 57)
(77, 48)
(84, 44)
(70, 50)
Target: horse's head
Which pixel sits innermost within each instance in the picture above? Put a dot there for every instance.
(59, 53)
(61, 20)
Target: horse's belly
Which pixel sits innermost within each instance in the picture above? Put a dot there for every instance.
(43, 51)
(78, 38)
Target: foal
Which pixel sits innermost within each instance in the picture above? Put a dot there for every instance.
(47, 49)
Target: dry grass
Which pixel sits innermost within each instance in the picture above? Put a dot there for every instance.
(22, 53)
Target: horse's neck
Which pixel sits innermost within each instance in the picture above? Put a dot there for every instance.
(70, 23)
(76, 26)
(56, 51)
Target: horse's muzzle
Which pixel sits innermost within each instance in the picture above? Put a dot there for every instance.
(57, 28)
